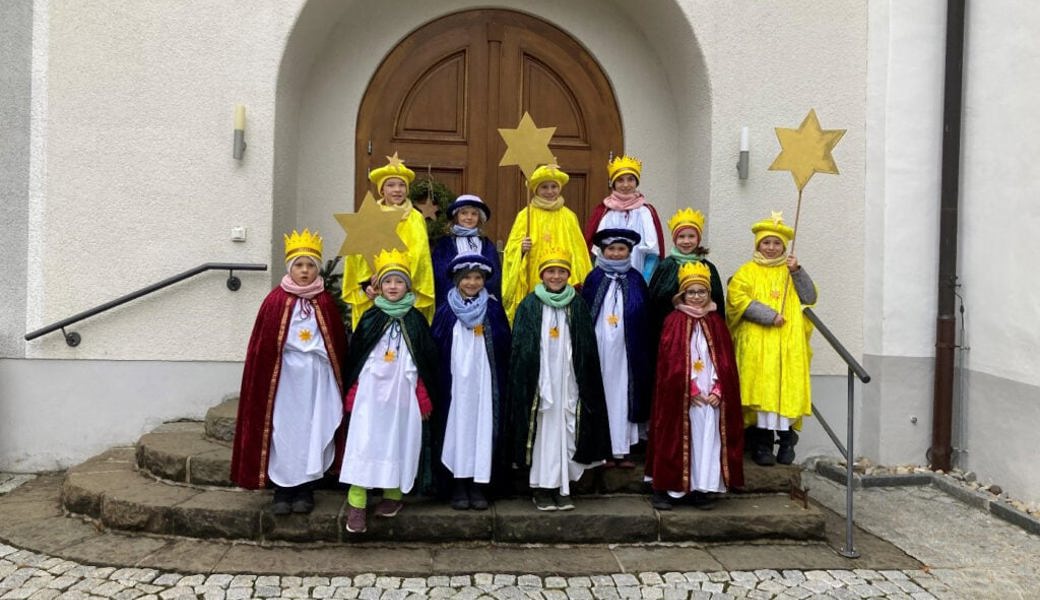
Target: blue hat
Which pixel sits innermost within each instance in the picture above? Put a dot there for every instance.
(470, 262)
(469, 200)
(606, 237)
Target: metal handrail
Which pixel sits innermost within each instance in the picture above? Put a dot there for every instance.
(855, 369)
(73, 339)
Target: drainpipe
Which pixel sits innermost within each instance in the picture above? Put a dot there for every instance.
(939, 455)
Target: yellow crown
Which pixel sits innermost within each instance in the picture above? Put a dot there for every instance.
(547, 173)
(554, 257)
(620, 165)
(687, 217)
(391, 260)
(694, 272)
(302, 244)
(774, 225)
(394, 168)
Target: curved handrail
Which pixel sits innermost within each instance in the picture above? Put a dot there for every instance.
(838, 347)
(73, 339)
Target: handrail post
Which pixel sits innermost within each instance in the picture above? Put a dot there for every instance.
(849, 549)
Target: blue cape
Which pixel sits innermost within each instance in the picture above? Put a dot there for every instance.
(445, 250)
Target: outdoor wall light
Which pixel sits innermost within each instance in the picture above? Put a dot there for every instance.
(239, 147)
(742, 162)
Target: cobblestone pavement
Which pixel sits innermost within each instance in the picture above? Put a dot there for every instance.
(968, 553)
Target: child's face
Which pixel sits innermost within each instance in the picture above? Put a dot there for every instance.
(696, 296)
(393, 287)
(616, 251)
(626, 183)
(303, 271)
(394, 191)
(771, 246)
(548, 190)
(688, 240)
(555, 278)
(468, 216)
(471, 284)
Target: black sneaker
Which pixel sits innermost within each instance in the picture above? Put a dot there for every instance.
(477, 501)
(543, 500)
(459, 495)
(700, 500)
(281, 505)
(562, 502)
(303, 502)
(661, 501)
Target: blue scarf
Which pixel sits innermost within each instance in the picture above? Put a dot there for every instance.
(470, 311)
(613, 267)
(397, 309)
(460, 231)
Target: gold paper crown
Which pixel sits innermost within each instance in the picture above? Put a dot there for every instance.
(774, 225)
(547, 173)
(302, 244)
(391, 260)
(620, 165)
(554, 257)
(694, 272)
(394, 168)
(687, 217)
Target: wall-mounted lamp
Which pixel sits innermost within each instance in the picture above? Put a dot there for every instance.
(742, 162)
(240, 132)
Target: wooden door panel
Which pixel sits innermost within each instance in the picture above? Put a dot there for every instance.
(550, 101)
(435, 107)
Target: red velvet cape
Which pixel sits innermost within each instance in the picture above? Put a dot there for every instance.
(260, 380)
(668, 451)
(601, 209)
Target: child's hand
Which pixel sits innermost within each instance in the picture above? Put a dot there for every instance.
(792, 263)
(370, 289)
(699, 400)
(713, 400)
(525, 246)
(779, 320)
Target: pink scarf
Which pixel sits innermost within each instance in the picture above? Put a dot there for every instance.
(308, 291)
(693, 311)
(619, 201)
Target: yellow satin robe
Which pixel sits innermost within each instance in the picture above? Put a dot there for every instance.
(557, 228)
(773, 362)
(412, 229)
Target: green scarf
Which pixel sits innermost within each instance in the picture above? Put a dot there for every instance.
(555, 299)
(685, 258)
(398, 309)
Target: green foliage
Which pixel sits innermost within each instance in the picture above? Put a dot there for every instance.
(419, 191)
(334, 285)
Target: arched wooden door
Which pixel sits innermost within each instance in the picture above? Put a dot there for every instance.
(440, 96)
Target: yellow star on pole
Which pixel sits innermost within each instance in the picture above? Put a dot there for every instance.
(527, 146)
(806, 150)
(371, 229)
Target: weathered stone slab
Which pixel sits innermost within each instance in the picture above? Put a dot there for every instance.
(329, 561)
(743, 518)
(49, 535)
(220, 420)
(620, 518)
(322, 524)
(113, 549)
(636, 559)
(765, 480)
(748, 557)
(513, 559)
(186, 556)
(427, 520)
(211, 468)
(166, 454)
(220, 514)
(139, 504)
(84, 487)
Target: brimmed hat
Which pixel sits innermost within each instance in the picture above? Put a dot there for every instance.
(469, 200)
(394, 168)
(606, 237)
(773, 226)
(547, 173)
(464, 263)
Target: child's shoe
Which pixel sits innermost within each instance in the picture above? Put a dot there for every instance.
(303, 502)
(562, 502)
(356, 520)
(788, 439)
(661, 501)
(459, 495)
(543, 500)
(477, 501)
(388, 508)
(281, 505)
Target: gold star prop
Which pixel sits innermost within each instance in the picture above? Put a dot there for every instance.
(427, 207)
(394, 161)
(806, 150)
(369, 230)
(527, 146)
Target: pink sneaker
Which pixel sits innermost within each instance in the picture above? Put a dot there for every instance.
(356, 520)
(388, 508)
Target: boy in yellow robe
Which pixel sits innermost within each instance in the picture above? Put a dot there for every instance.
(551, 225)
(771, 338)
(392, 181)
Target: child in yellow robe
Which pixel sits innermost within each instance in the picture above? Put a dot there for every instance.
(771, 338)
(551, 225)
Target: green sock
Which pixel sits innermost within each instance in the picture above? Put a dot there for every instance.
(392, 494)
(357, 496)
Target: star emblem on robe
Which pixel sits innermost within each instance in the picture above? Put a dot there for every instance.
(612, 320)
(369, 230)
(698, 366)
(806, 150)
(527, 146)
(554, 332)
(389, 356)
(305, 335)
(478, 331)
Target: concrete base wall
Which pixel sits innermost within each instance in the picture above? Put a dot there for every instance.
(896, 423)
(57, 413)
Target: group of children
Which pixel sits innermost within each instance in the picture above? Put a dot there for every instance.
(562, 359)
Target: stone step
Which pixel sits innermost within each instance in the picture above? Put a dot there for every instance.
(185, 452)
(110, 489)
(220, 419)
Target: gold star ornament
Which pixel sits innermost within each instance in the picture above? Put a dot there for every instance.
(371, 229)
(527, 146)
(806, 150)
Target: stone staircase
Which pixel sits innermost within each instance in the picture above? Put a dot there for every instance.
(175, 482)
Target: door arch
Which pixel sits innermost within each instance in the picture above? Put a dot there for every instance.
(441, 94)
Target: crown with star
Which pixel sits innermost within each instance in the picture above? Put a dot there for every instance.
(302, 244)
(686, 217)
(391, 260)
(694, 272)
(619, 165)
(774, 225)
(393, 168)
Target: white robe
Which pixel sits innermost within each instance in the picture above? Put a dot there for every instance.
(385, 436)
(613, 366)
(555, 438)
(308, 406)
(706, 440)
(639, 220)
(468, 432)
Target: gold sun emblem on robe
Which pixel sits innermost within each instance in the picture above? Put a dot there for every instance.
(478, 330)
(305, 335)
(612, 320)
(554, 332)
(389, 356)
(698, 366)
(775, 294)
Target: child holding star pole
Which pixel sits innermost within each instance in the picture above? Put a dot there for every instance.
(771, 335)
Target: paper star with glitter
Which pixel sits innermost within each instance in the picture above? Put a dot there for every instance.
(527, 146)
(806, 150)
(371, 229)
